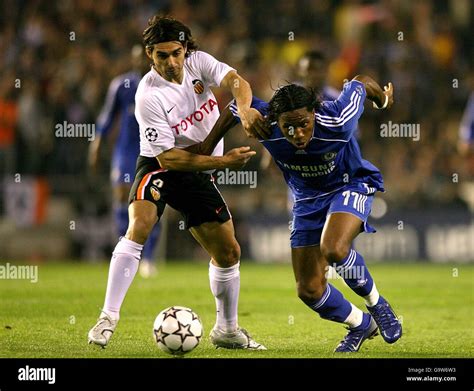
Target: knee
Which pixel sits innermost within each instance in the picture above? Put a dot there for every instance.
(311, 291)
(229, 255)
(334, 251)
(139, 228)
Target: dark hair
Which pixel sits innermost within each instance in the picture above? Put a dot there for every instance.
(166, 29)
(292, 97)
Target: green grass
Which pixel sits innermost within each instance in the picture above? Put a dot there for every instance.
(51, 318)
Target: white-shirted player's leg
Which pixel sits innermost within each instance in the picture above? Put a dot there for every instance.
(224, 276)
(127, 253)
(218, 239)
(123, 267)
(225, 286)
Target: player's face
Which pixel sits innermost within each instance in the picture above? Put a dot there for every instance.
(297, 126)
(168, 59)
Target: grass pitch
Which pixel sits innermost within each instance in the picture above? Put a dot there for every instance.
(51, 318)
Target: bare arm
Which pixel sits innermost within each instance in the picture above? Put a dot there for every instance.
(252, 121)
(181, 160)
(375, 92)
(224, 123)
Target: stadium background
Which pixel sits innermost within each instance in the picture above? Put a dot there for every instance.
(58, 58)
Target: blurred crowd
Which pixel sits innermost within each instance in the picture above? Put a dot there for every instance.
(57, 59)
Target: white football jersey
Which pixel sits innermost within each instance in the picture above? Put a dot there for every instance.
(174, 115)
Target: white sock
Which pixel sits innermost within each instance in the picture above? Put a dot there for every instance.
(373, 297)
(225, 286)
(123, 267)
(355, 317)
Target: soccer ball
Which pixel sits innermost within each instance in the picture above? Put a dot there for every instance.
(177, 330)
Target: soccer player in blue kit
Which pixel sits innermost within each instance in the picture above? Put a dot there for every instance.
(120, 102)
(313, 144)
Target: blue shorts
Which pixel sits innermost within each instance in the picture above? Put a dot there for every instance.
(309, 215)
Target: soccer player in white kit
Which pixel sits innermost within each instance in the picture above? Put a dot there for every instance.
(176, 109)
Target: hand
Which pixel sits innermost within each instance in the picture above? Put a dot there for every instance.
(388, 98)
(237, 158)
(254, 124)
(388, 91)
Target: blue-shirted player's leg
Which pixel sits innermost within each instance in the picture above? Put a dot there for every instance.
(346, 219)
(310, 267)
(120, 208)
(121, 177)
(148, 268)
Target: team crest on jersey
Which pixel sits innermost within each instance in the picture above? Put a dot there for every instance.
(198, 86)
(329, 156)
(155, 193)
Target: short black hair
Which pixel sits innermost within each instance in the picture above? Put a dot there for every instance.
(292, 97)
(166, 29)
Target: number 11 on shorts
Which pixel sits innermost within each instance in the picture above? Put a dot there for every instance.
(358, 200)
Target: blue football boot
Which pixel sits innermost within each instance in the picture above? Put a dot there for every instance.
(356, 336)
(388, 323)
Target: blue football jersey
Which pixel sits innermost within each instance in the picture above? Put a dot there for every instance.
(332, 158)
(121, 101)
(329, 93)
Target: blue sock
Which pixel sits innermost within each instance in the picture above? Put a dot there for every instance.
(355, 273)
(121, 218)
(151, 242)
(332, 305)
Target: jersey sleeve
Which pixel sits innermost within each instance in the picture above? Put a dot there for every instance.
(212, 70)
(154, 128)
(110, 109)
(342, 114)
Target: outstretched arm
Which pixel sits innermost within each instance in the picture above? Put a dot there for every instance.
(252, 120)
(180, 160)
(224, 123)
(383, 99)
(196, 157)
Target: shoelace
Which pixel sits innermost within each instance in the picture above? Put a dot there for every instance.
(384, 316)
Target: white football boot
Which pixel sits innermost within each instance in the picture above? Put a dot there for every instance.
(239, 339)
(102, 331)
